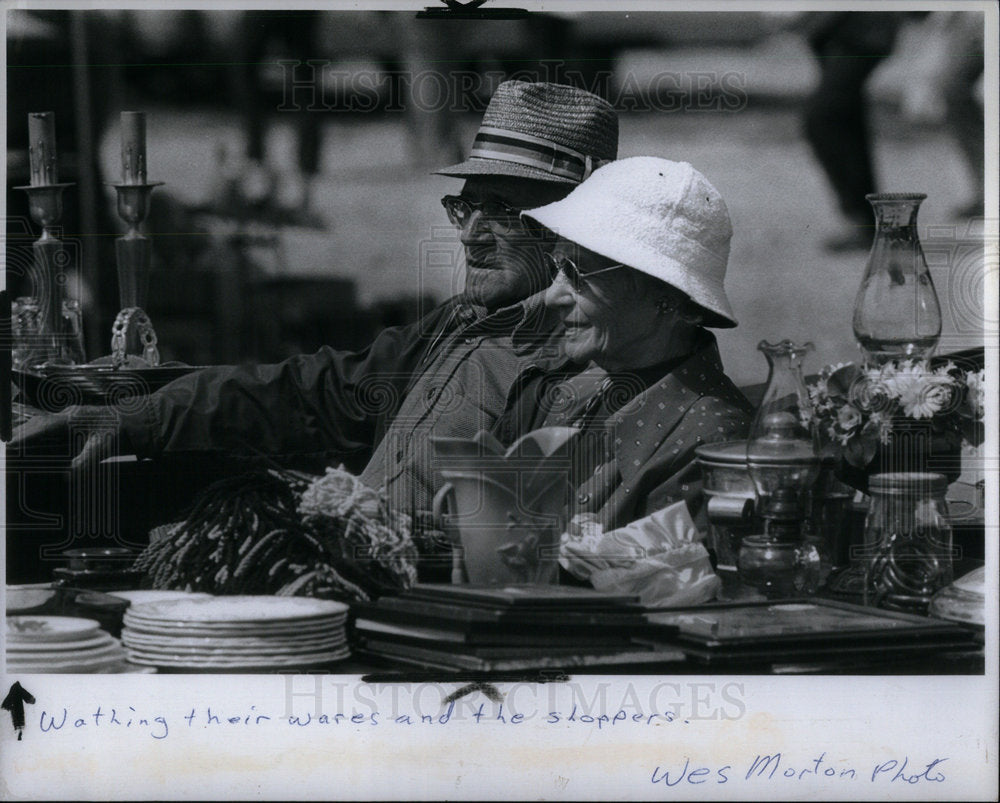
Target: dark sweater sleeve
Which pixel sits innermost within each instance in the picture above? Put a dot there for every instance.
(331, 403)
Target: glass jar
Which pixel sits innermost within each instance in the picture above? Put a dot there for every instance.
(897, 315)
(38, 341)
(26, 332)
(907, 544)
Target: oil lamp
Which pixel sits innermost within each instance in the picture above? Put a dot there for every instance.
(897, 315)
(783, 460)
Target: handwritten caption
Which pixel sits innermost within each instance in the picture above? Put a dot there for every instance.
(777, 766)
(687, 771)
(159, 727)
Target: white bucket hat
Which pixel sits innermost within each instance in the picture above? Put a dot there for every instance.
(660, 217)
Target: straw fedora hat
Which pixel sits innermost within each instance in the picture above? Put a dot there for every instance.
(660, 217)
(542, 131)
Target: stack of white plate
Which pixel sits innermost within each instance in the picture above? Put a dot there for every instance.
(236, 633)
(140, 597)
(61, 644)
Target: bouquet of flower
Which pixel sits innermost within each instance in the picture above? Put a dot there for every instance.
(856, 409)
(285, 533)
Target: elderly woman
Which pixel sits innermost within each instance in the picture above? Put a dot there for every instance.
(639, 264)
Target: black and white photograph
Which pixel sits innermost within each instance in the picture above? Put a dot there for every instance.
(500, 400)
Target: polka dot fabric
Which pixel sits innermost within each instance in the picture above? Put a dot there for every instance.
(649, 462)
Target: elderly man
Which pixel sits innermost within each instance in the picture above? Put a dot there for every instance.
(537, 141)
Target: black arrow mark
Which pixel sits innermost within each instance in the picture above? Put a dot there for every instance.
(471, 10)
(492, 692)
(14, 702)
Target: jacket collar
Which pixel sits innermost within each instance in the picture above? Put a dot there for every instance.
(535, 330)
(647, 423)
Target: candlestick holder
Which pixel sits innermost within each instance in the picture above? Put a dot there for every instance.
(57, 340)
(133, 252)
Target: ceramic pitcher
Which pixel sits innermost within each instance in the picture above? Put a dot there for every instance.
(504, 511)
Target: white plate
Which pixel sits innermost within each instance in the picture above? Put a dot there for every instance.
(142, 596)
(99, 664)
(236, 652)
(82, 657)
(114, 667)
(252, 662)
(56, 648)
(227, 659)
(132, 669)
(237, 627)
(236, 639)
(249, 636)
(153, 612)
(25, 597)
(132, 637)
(243, 609)
(49, 628)
(972, 583)
(197, 631)
(143, 613)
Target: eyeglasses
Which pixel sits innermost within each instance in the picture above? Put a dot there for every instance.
(559, 263)
(460, 209)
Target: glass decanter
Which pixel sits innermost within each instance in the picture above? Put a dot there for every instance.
(897, 315)
(783, 450)
(783, 461)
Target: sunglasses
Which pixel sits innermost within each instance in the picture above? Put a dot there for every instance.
(559, 263)
(460, 209)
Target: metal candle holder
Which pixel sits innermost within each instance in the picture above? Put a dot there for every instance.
(132, 253)
(133, 249)
(50, 261)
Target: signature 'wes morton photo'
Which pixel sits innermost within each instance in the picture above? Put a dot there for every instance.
(472, 345)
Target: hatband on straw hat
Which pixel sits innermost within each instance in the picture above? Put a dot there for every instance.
(660, 217)
(542, 131)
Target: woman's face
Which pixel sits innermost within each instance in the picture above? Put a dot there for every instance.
(612, 319)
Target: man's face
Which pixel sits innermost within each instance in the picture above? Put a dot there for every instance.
(503, 258)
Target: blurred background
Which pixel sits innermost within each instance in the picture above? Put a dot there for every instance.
(297, 147)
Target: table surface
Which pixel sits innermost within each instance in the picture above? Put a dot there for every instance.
(947, 660)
